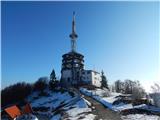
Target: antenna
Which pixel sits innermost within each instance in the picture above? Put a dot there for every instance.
(73, 35)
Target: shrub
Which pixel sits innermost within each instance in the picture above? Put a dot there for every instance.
(156, 99)
(41, 109)
(71, 93)
(62, 90)
(44, 94)
(106, 93)
(53, 84)
(41, 84)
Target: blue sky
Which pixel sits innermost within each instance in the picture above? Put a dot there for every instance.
(122, 38)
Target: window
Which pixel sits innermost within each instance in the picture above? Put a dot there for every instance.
(76, 60)
(76, 65)
(68, 79)
(69, 65)
(88, 72)
(69, 60)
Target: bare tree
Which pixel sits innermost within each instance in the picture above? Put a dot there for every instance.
(138, 92)
(129, 85)
(119, 86)
(156, 94)
(155, 88)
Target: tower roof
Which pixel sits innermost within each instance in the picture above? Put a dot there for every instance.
(72, 54)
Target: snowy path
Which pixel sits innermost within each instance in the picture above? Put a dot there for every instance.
(101, 112)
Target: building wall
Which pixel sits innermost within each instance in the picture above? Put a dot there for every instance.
(96, 79)
(66, 77)
(91, 77)
(87, 77)
(72, 65)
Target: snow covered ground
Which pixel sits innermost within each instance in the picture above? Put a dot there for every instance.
(27, 117)
(61, 105)
(140, 117)
(67, 105)
(108, 102)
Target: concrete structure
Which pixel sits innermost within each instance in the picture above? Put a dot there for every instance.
(72, 62)
(72, 72)
(72, 67)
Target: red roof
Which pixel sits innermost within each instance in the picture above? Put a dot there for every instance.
(13, 111)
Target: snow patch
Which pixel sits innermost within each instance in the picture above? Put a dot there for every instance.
(140, 117)
(58, 105)
(56, 117)
(108, 101)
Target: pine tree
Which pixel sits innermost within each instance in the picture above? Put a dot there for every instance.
(53, 81)
(53, 75)
(104, 82)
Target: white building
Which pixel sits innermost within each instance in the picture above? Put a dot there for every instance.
(91, 77)
(87, 77)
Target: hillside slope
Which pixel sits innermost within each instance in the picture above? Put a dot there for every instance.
(60, 105)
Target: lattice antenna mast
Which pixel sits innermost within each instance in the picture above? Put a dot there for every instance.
(73, 35)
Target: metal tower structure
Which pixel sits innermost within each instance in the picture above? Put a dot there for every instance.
(72, 62)
(73, 35)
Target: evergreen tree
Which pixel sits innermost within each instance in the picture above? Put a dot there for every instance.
(53, 75)
(53, 81)
(104, 82)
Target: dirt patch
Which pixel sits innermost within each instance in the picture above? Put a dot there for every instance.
(137, 111)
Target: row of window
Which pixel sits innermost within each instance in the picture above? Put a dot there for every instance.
(96, 78)
(88, 72)
(88, 78)
(84, 78)
(75, 65)
(75, 61)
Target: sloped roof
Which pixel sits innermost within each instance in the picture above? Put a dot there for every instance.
(13, 111)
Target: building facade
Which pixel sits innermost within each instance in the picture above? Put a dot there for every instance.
(72, 67)
(91, 77)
